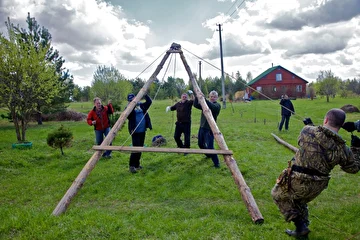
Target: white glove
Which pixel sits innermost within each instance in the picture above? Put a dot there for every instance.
(190, 92)
(167, 108)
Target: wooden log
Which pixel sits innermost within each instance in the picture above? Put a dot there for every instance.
(80, 179)
(229, 160)
(291, 147)
(164, 150)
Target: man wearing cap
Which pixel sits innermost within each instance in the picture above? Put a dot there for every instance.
(99, 118)
(183, 123)
(139, 121)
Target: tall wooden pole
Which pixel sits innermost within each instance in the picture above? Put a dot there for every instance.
(90, 165)
(222, 68)
(229, 160)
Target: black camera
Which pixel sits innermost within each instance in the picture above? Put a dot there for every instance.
(307, 121)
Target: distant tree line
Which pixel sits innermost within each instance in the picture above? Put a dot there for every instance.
(328, 85)
(109, 83)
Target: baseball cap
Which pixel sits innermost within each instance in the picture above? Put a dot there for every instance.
(130, 97)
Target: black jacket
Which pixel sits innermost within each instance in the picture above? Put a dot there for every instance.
(287, 107)
(132, 116)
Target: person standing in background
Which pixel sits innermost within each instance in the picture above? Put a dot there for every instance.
(287, 109)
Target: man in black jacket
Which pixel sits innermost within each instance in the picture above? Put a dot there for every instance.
(205, 135)
(287, 109)
(183, 123)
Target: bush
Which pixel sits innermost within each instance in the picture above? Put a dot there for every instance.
(60, 138)
(64, 116)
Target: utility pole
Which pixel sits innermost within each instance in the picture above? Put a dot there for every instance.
(222, 68)
(200, 80)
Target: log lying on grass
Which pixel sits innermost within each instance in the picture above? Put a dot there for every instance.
(291, 147)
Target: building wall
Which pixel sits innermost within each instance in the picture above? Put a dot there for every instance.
(273, 88)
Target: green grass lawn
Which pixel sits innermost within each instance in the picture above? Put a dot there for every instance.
(174, 196)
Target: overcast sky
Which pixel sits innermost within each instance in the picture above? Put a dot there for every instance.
(304, 36)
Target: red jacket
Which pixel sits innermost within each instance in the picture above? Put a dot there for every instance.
(102, 120)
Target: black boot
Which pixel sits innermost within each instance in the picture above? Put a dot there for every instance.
(301, 229)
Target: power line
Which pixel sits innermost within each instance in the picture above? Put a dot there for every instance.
(238, 7)
(231, 7)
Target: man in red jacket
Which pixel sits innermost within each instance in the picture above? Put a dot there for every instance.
(99, 118)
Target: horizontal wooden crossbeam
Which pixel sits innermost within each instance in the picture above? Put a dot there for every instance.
(164, 150)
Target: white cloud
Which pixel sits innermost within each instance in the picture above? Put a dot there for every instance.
(304, 36)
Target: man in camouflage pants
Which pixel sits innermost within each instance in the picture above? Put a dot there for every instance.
(308, 174)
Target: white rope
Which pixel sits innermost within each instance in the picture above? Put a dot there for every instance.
(160, 85)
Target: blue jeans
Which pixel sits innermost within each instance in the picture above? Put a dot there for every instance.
(99, 136)
(206, 141)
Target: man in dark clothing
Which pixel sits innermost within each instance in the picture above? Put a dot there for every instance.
(139, 121)
(183, 123)
(287, 109)
(321, 148)
(205, 135)
(99, 118)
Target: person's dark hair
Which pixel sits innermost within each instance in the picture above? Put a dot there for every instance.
(336, 117)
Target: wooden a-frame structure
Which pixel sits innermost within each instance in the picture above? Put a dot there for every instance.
(105, 145)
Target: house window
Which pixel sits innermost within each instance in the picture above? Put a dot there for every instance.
(274, 88)
(258, 88)
(298, 88)
(278, 77)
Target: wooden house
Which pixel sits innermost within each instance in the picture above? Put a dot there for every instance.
(277, 81)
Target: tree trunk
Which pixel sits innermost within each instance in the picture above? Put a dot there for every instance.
(23, 130)
(16, 124)
(39, 118)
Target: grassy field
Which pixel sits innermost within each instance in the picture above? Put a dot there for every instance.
(174, 196)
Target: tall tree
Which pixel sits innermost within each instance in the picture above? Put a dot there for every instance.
(249, 77)
(240, 84)
(39, 38)
(26, 78)
(109, 83)
(327, 84)
(170, 88)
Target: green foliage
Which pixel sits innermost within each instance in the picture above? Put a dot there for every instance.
(81, 94)
(40, 38)
(327, 84)
(26, 78)
(110, 84)
(60, 138)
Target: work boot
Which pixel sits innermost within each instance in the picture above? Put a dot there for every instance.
(301, 230)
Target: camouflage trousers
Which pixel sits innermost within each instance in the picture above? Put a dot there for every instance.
(292, 193)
